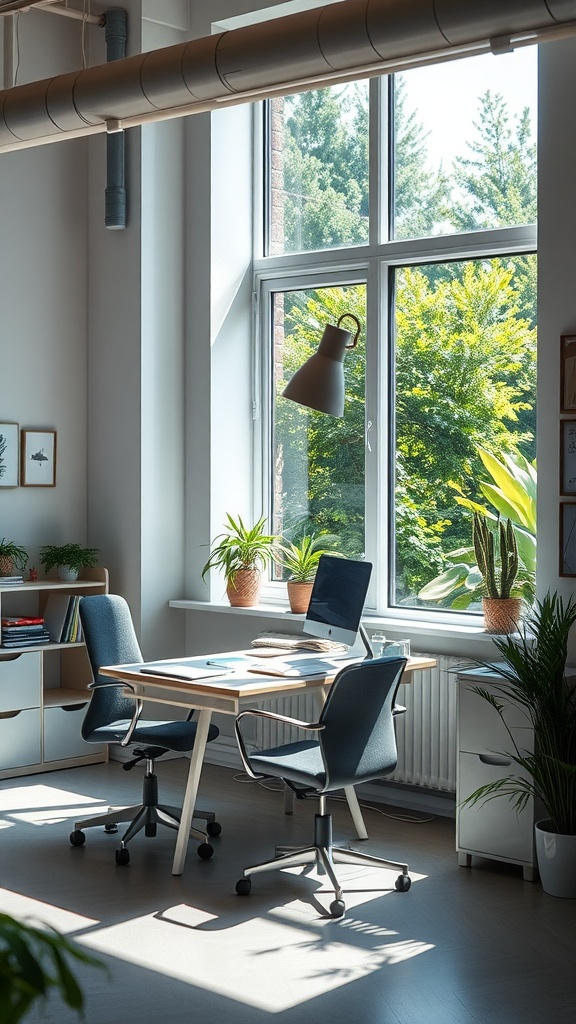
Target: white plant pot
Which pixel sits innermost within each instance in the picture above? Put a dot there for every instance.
(64, 573)
(556, 855)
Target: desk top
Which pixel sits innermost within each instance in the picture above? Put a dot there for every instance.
(236, 683)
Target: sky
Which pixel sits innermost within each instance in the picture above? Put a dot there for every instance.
(445, 96)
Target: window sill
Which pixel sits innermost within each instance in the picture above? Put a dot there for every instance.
(437, 636)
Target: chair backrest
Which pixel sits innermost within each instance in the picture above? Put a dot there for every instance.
(110, 640)
(358, 741)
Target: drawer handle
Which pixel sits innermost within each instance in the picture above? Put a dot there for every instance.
(73, 707)
(10, 714)
(495, 759)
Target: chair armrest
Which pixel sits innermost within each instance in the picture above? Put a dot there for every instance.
(258, 713)
(139, 704)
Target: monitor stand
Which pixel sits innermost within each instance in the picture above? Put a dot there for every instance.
(361, 647)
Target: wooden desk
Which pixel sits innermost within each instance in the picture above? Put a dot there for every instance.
(228, 694)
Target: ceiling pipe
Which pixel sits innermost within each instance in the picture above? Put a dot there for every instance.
(115, 33)
(339, 42)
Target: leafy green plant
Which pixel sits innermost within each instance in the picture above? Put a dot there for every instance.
(13, 551)
(300, 557)
(534, 667)
(497, 581)
(511, 492)
(73, 556)
(32, 964)
(240, 547)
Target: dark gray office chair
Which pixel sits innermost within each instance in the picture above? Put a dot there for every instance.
(356, 742)
(113, 717)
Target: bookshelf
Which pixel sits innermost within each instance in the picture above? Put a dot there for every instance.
(44, 689)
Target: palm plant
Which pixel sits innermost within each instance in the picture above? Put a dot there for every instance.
(534, 670)
(300, 557)
(240, 547)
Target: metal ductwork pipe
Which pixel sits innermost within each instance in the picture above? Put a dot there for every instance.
(339, 42)
(116, 31)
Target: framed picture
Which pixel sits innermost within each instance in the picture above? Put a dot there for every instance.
(567, 538)
(9, 454)
(38, 450)
(568, 373)
(568, 457)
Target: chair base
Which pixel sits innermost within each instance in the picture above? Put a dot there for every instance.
(147, 815)
(324, 855)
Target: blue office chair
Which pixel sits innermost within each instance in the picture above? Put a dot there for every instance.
(355, 742)
(114, 717)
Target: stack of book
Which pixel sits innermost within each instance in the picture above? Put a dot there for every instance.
(11, 581)
(62, 619)
(22, 631)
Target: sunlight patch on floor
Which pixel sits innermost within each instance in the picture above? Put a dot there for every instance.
(45, 805)
(38, 913)
(272, 961)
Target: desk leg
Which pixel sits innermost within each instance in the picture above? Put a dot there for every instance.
(196, 762)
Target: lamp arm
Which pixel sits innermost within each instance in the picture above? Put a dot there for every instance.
(350, 316)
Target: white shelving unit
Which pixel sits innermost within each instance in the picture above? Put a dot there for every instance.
(492, 829)
(44, 689)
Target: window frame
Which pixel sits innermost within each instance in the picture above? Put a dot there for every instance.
(373, 263)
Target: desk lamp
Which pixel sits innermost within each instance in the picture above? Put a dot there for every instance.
(319, 383)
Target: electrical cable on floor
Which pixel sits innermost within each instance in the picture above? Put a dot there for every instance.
(276, 786)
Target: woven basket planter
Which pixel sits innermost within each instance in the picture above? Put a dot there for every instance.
(243, 590)
(502, 614)
(6, 565)
(299, 596)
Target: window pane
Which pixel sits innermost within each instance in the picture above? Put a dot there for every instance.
(465, 384)
(318, 460)
(318, 170)
(465, 145)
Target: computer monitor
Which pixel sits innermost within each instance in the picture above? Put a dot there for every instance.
(337, 599)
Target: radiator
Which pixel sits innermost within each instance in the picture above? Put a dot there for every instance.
(426, 734)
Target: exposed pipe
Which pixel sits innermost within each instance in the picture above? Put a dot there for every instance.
(9, 52)
(116, 30)
(339, 42)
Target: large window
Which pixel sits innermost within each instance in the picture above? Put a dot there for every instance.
(411, 204)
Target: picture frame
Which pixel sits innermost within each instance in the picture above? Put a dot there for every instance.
(567, 538)
(9, 454)
(568, 373)
(568, 458)
(38, 458)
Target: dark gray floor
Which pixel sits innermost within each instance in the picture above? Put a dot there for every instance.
(475, 946)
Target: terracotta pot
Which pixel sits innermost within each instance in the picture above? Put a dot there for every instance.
(243, 590)
(502, 614)
(299, 595)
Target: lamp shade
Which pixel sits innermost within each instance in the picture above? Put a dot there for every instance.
(319, 383)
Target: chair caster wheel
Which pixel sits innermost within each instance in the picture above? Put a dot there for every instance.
(205, 851)
(337, 908)
(77, 837)
(150, 830)
(122, 856)
(213, 828)
(403, 883)
(243, 886)
(111, 829)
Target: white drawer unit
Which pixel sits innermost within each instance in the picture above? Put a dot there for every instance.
(44, 689)
(20, 745)
(492, 829)
(20, 681)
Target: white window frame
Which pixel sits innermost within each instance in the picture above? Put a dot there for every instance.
(371, 263)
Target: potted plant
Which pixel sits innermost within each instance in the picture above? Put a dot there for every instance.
(68, 559)
(534, 667)
(501, 609)
(240, 552)
(11, 556)
(299, 558)
(33, 964)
